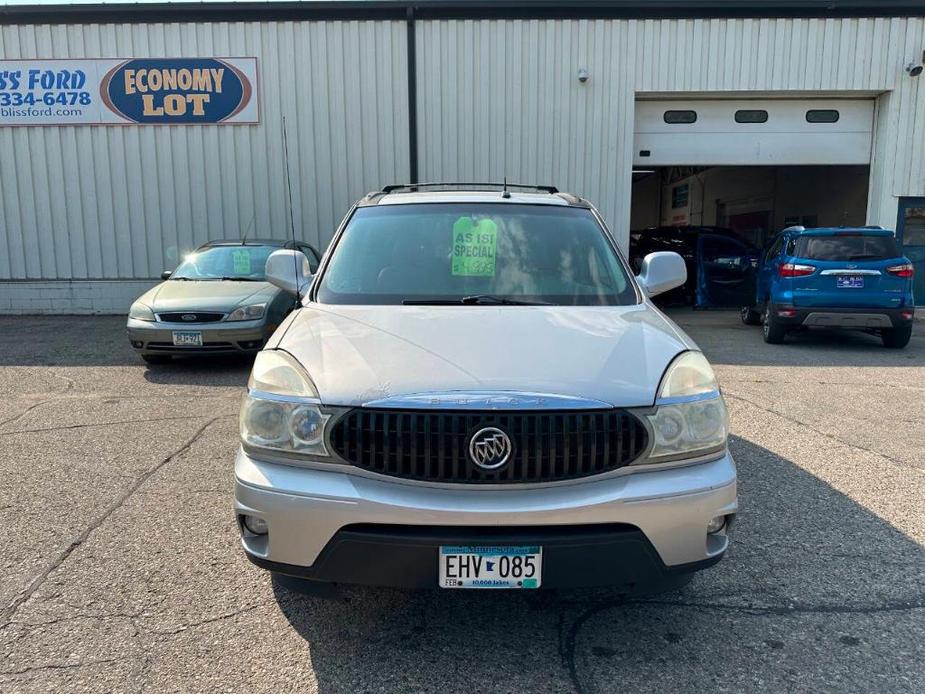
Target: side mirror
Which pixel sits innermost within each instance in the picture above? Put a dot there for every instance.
(165, 275)
(289, 270)
(661, 271)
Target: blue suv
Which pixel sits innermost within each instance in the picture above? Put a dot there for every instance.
(834, 278)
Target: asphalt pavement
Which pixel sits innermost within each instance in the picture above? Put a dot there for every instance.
(122, 569)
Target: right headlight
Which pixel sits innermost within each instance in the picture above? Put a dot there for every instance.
(690, 418)
(139, 311)
(281, 410)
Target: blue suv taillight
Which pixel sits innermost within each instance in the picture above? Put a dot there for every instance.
(904, 270)
(795, 270)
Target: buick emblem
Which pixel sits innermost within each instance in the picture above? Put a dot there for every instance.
(490, 448)
(188, 316)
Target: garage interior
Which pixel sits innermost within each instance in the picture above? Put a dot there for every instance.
(754, 201)
(753, 165)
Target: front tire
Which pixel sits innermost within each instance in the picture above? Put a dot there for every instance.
(774, 332)
(896, 338)
(750, 316)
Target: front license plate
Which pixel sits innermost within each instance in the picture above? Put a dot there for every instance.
(849, 282)
(187, 338)
(491, 567)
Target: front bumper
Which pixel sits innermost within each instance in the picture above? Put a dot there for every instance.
(342, 527)
(156, 337)
(861, 318)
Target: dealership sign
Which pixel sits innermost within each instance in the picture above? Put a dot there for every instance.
(128, 91)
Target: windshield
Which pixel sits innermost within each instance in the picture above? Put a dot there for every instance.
(240, 263)
(846, 247)
(474, 253)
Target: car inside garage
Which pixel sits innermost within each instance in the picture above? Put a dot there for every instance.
(731, 173)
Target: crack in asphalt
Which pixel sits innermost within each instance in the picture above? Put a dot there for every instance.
(831, 437)
(102, 424)
(24, 412)
(568, 639)
(61, 666)
(209, 620)
(10, 610)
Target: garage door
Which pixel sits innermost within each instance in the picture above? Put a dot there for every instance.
(753, 132)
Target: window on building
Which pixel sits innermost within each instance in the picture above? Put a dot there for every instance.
(751, 116)
(680, 117)
(822, 115)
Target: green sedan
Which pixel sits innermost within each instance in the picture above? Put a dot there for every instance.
(216, 302)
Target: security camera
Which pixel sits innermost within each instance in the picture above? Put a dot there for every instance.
(914, 70)
(583, 75)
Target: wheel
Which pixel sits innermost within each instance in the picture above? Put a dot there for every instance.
(156, 358)
(896, 338)
(750, 316)
(774, 332)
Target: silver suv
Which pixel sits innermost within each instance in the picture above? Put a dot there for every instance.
(478, 393)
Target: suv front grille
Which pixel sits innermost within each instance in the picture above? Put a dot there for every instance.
(198, 317)
(433, 445)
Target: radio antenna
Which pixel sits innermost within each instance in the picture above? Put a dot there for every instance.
(248, 230)
(295, 258)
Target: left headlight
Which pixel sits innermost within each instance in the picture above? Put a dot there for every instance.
(281, 410)
(139, 311)
(690, 417)
(252, 312)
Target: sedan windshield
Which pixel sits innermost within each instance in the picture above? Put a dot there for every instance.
(475, 253)
(236, 263)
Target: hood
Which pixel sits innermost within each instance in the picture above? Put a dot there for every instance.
(361, 354)
(206, 296)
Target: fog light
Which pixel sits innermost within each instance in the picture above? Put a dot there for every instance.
(907, 315)
(787, 312)
(137, 344)
(256, 525)
(715, 525)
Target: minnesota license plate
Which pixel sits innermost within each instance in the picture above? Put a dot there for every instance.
(187, 338)
(491, 567)
(849, 282)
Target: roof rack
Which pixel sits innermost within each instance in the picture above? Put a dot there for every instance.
(414, 187)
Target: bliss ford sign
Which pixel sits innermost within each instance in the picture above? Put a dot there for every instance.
(182, 91)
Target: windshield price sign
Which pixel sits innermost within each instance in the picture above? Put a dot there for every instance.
(114, 91)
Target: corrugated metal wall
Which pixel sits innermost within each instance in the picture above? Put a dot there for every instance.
(122, 202)
(495, 98)
(503, 98)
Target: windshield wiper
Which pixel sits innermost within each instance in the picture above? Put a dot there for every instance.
(483, 299)
(238, 279)
(865, 256)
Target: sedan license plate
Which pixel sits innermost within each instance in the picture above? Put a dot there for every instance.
(849, 282)
(187, 338)
(491, 567)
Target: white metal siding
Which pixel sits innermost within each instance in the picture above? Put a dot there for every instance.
(501, 97)
(495, 98)
(123, 202)
(786, 138)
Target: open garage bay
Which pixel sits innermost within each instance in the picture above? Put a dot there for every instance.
(122, 569)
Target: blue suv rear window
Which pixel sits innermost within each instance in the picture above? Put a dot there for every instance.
(846, 247)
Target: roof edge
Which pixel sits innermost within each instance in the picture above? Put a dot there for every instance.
(450, 9)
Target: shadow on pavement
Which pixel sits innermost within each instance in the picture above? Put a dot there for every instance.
(727, 341)
(817, 593)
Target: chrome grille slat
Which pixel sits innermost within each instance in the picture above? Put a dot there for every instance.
(431, 445)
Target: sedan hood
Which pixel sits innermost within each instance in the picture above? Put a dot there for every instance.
(365, 354)
(176, 295)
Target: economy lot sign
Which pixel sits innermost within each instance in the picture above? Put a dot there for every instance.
(134, 91)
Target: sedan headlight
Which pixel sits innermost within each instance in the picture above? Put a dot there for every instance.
(139, 311)
(252, 312)
(281, 410)
(690, 416)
